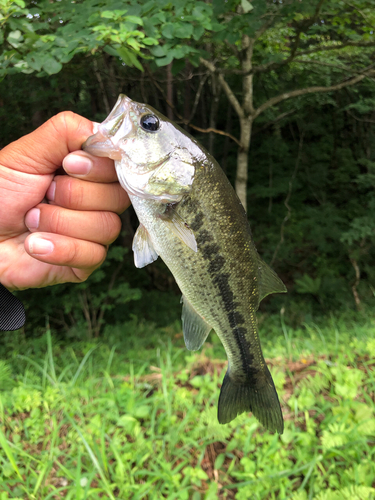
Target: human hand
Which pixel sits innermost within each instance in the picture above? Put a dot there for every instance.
(66, 239)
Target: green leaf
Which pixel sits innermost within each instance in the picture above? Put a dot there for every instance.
(246, 6)
(164, 61)
(150, 41)
(168, 31)
(35, 60)
(183, 30)
(15, 38)
(135, 61)
(108, 14)
(8, 452)
(51, 66)
(181, 51)
(198, 31)
(134, 19)
(150, 28)
(158, 51)
(129, 58)
(133, 43)
(111, 50)
(124, 54)
(61, 42)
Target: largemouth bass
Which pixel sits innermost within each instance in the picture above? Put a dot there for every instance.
(191, 217)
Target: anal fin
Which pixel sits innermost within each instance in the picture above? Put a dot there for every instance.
(194, 326)
(144, 252)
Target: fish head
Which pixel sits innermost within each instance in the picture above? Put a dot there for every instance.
(154, 157)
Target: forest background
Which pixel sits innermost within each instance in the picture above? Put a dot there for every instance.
(282, 93)
(287, 89)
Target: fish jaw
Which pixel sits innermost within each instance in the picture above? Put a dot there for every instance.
(117, 126)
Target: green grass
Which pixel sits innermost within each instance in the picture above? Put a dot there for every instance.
(134, 417)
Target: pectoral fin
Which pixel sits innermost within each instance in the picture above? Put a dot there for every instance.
(268, 281)
(194, 326)
(144, 252)
(173, 178)
(179, 228)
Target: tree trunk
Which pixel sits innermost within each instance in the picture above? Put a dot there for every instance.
(216, 89)
(187, 93)
(170, 91)
(242, 160)
(246, 121)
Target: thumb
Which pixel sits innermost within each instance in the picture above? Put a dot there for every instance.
(43, 151)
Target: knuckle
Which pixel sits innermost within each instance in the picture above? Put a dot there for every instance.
(110, 225)
(61, 121)
(71, 192)
(57, 221)
(73, 253)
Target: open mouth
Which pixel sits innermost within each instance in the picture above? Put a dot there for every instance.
(117, 126)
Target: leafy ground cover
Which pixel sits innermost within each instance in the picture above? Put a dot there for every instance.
(134, 417)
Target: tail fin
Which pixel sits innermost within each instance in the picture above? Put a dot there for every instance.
(261, 399)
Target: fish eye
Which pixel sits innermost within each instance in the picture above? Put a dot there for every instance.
(150, 123)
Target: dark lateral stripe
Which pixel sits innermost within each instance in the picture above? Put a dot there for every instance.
(211, 253)
(197, 222)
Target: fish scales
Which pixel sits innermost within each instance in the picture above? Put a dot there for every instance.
(230, 291)
(211, 255)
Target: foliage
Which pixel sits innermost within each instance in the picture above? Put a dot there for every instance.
(43, 37)
(311, 208)
(85, 420)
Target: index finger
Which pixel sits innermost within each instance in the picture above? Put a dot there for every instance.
(43, 150)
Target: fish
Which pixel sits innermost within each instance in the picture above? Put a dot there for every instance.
(190, 216)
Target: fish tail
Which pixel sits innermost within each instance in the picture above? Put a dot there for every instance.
(259, 397)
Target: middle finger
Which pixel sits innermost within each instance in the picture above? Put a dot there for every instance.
(99, 227)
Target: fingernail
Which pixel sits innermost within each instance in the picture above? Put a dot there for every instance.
(32, 218)
(50, 194)
(77, 164)
(39, 246)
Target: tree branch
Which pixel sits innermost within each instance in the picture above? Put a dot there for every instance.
(262, 68)
(231, 97)
(359, 119)
(362, 14)
(272, 122)
(186, 122)
(336, 47)
(310, 90)
(328, 65)
(197, 96)
(216, 131)
(265, 27)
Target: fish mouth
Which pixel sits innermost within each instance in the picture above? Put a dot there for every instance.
(117, 126)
